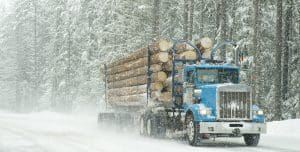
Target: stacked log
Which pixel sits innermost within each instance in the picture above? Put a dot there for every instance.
(183, 51)
(128, 77)
(205, 44)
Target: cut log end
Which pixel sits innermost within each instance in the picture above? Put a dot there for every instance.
(161, 76)
(161, 57)
(189, 55)
(164, 45)
(205, 43)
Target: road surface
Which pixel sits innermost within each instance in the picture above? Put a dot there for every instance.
(54, 132)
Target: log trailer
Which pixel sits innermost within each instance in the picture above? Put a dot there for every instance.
(212, 104)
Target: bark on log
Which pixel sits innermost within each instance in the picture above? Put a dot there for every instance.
(189, 55)
(183, 47)
(206, 54)
(140, 89)
(140, 53)
(168, 66)
(204, 43)
(133, 73)
(161, 96)
(156, 86)
(160, 57)
(168, 82)
(177, 89)
(128, 99)
(165, 97)
(138, 80)
(154, 48)
(141, 62)
(160, 46)
(159, 76)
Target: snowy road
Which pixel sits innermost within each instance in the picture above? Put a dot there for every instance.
(53, 132)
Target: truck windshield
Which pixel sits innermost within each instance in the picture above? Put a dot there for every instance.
(217, 75)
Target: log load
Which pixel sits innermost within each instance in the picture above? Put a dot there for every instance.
(154, 48)
(127, 78)
(161, 57)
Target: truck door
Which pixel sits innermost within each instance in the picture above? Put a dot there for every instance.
(188, 88)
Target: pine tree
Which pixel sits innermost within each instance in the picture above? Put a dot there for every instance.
(277, 81)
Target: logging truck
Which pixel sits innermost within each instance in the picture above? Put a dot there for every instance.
(181, 91)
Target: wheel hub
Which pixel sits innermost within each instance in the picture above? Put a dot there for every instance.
(190, 130)
(149, 127)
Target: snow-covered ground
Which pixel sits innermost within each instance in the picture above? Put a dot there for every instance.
(54, 132)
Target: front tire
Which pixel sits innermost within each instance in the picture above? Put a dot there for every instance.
(251, 139)
(193, 131)
(150, 126)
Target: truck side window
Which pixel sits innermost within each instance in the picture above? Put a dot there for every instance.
(190, 77)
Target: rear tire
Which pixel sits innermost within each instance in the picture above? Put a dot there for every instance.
(193, 131)
(149, 127)
(251, 139)
(142, 126)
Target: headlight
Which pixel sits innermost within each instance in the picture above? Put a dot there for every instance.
(205, 111)
(197, 92)
(260, 112)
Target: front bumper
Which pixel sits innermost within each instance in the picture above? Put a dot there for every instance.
(232, 127)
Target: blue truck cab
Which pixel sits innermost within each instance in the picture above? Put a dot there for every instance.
(214, 102)
(218, 104)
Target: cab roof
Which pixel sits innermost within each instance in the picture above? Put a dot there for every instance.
(212, 66)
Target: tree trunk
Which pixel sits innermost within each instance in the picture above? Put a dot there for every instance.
(218, 16)
(191, 20)
(185, 19)
(223, 27)
(155, 28)
(277, 81)
(256, 74)
(287, 38)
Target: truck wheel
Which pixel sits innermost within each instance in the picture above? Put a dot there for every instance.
(193, 130)
(142, 126)
(251, 139)
(151, 126)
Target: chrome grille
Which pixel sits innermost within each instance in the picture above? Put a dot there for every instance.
(234, 105)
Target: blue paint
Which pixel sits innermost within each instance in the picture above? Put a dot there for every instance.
(207, 98)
